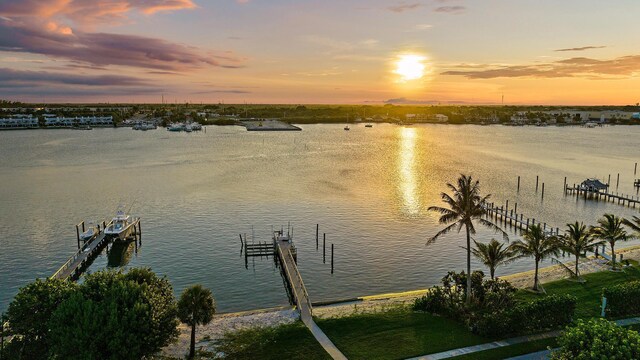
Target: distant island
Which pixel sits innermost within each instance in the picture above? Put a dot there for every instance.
(16, 115)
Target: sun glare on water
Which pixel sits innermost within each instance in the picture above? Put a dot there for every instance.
(410, 67)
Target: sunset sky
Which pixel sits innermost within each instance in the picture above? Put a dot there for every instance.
(274, 51)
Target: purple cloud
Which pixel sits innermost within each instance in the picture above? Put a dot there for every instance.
(102, 49)
(582, 48)
(12, 78)
(450, 9)
(35, 27)
(402, 7)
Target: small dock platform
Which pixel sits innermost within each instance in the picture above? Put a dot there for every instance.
(636, 183)
(620, 199)
(88, 250)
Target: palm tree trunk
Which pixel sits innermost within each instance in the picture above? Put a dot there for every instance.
(535, 277)
(192, 350)
(613, 254)
(577, 258)
(492, 271)
(468, 265)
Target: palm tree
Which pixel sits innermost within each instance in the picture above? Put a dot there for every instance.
(610, 229)
(493, 255)
(464, 207)
(578, 240)
(634, 225)
(537, 244)
(196, 307)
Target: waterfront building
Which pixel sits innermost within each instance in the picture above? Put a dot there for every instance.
(19, 122)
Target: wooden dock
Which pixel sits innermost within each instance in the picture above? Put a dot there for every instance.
(87, 252)
(621, 199)
(511, 217)
(285, 253)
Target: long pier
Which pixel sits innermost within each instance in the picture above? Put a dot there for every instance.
(621, 199)
(286, 254)
(512, 218)
(81, 259)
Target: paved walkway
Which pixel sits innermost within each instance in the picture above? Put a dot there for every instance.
(508, 342)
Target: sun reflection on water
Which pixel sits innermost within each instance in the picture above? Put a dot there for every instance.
(408, 183)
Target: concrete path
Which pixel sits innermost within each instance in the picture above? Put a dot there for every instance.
(540, 355)
(512, 341)
(488, 346)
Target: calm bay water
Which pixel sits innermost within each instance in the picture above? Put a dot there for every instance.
(369, 189)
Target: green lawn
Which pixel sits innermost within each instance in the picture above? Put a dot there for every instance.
(396, 334)
(589, 293)
(292, 341)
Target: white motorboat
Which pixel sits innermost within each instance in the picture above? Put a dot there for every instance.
(346, 128)
(121, 227)
(90, 233)
(176, 127)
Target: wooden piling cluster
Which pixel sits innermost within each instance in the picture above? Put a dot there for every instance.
(511, 217)
(636, 183)
(621, 199)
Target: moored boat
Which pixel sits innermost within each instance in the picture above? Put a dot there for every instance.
(121, 227)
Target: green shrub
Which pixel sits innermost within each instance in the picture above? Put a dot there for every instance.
(544, 313)
(549, 312)
(597, 339)
(623, 299)
(433, 302)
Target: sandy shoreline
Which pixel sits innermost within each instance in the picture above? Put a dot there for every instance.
(230, 322)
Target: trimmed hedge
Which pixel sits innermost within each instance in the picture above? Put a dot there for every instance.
(548, 312)
(623, 299)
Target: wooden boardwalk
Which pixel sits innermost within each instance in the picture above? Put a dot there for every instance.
(285, 251)
(512, 218)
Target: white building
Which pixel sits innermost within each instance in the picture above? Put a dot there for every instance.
(79, 120)
(22, 122)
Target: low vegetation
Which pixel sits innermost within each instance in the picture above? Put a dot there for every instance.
(597, 339)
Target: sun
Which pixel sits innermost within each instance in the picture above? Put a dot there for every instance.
(410, 67)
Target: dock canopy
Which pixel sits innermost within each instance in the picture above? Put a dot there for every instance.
(593, 185)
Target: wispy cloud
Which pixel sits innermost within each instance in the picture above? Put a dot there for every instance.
(582, 48)
(11, 77)
(89, 12)
(402, 7)
(621, 67)
(457, 9)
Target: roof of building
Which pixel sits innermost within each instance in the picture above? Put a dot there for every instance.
(594, 184)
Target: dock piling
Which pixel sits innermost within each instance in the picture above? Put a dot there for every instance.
(332, 258)
(543, 190)
(635, 169)
(518, 183)
(618, 181)
(324, 251)
(537, 178)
